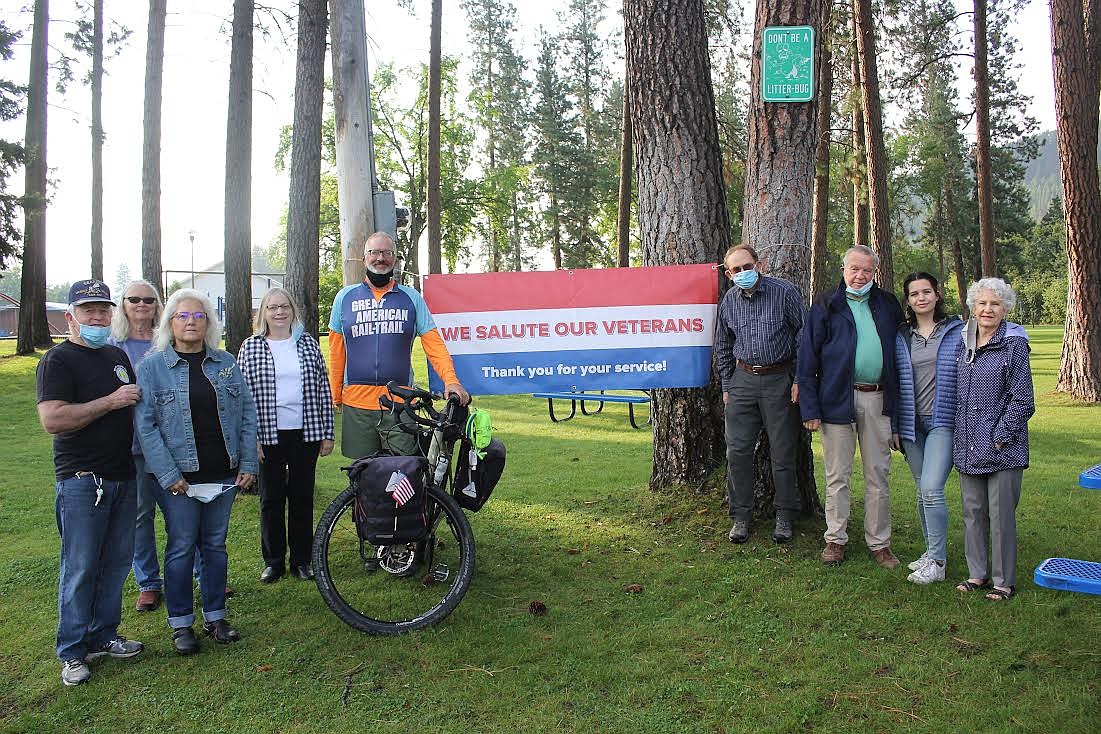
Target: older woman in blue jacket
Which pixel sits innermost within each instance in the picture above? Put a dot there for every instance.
(926, 349)
(994, 401)
(197, 428)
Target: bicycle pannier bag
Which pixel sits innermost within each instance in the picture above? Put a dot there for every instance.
(476, 475)
(391, 499)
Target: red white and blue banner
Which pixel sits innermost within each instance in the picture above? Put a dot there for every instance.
(567, 330)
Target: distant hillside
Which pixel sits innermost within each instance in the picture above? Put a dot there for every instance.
(1042, 175)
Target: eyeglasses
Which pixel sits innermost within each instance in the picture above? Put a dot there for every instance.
(273, 307)
(388, 254)
(147, 300)
(185, 315)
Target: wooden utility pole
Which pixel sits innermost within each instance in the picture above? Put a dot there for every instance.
(435, 73)
(355, 165)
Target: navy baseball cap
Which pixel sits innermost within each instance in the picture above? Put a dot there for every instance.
(89, 291)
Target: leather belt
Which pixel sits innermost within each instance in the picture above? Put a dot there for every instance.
(765, 369)
(863, 387)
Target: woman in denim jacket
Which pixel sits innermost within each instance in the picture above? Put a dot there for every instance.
(926, 349)
(197, 428)
(994, 401)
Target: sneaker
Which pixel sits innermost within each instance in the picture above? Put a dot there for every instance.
(148, 601)
(782, 533)
(74, 672)
(927, 574)
(739, 533)
(921, 561)
(120, 647)
(885, 558)
(833, 554)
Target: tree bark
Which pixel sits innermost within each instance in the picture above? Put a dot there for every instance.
(626, 167)
(97, 139)
(238, 202)
(435, 55)
(860, 156)
(878, 209)
(957, 249)
(352, 128)
(822, 277)
(1076, 59)
(304, 199)
(34, 331)
(779, 204)
(681, 201)
(983, 175)
(151, 146)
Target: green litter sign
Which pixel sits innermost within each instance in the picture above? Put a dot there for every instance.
(787, 64)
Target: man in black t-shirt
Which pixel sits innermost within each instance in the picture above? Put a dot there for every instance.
(86, 394)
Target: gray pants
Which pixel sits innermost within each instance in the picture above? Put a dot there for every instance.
(752, 402)
(990, 525)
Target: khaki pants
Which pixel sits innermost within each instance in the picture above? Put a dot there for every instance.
(873, 431)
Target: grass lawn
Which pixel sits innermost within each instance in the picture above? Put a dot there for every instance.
(721, 638)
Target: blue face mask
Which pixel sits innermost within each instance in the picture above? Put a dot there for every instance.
(745, 279)
(861, 291)
(94, 336)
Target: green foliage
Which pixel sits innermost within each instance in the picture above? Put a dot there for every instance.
(11, 154)
(81, 40)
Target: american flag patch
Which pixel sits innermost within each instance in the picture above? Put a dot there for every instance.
(400, 488)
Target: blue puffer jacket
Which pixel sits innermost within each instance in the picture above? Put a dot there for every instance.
(944, 400)
(827, 356)
(994, 401)
(163, 416)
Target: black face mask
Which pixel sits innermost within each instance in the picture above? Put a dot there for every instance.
(379, 279)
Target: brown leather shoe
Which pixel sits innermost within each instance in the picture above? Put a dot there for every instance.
(833, 554)
(148, 601)
(885, 558)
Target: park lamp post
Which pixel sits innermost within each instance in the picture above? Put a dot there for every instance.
(191, 236)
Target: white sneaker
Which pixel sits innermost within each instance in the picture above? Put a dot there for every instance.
(74, 672)
(915, 565)
(927, 574)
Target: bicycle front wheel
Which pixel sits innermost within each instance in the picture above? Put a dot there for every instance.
(388, 590)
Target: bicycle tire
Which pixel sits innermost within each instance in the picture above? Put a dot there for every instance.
(379, 602)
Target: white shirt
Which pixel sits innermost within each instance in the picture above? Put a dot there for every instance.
(288, 384)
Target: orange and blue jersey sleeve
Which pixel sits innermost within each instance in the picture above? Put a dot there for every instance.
(337, 353)
(431, 341)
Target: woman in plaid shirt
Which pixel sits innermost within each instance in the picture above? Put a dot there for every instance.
(283, 367)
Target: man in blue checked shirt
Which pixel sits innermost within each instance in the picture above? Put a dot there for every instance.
(759, 323)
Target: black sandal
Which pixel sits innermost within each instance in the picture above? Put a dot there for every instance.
(1000, 595)
(967, 586)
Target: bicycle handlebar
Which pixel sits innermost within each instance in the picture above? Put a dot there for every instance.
(415, 398)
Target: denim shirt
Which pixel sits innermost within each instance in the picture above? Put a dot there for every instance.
(163, 416)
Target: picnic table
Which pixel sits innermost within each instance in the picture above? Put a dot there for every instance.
(599, 398)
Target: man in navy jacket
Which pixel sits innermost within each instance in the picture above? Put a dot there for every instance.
(848, 389)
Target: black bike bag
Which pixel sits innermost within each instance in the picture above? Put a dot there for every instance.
(476, 476)
(391, 499)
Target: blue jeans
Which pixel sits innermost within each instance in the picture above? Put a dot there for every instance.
(930, 460)
(97, 543)
(190, 523)
(147, 568)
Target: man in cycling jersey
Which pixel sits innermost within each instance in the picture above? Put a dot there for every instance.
(371, 332)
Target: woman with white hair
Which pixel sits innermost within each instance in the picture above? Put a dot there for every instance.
(283, 367)
(132, 329)
(994, 401)
(197, 427)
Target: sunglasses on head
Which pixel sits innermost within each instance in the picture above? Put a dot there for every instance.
(147, 300)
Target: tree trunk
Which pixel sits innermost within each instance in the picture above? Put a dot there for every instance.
(957, 250)
(779, 203)
(822, 277)
(626, 166)
(97, 140)
(681, 201)
(151, 146)
(238, 206)
(304, 199)
(983, 176)
(435, 230)
(34, 331)
(556, 235)
(878, 210)
(355, 166)
(1076, 48)
(860, 156)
